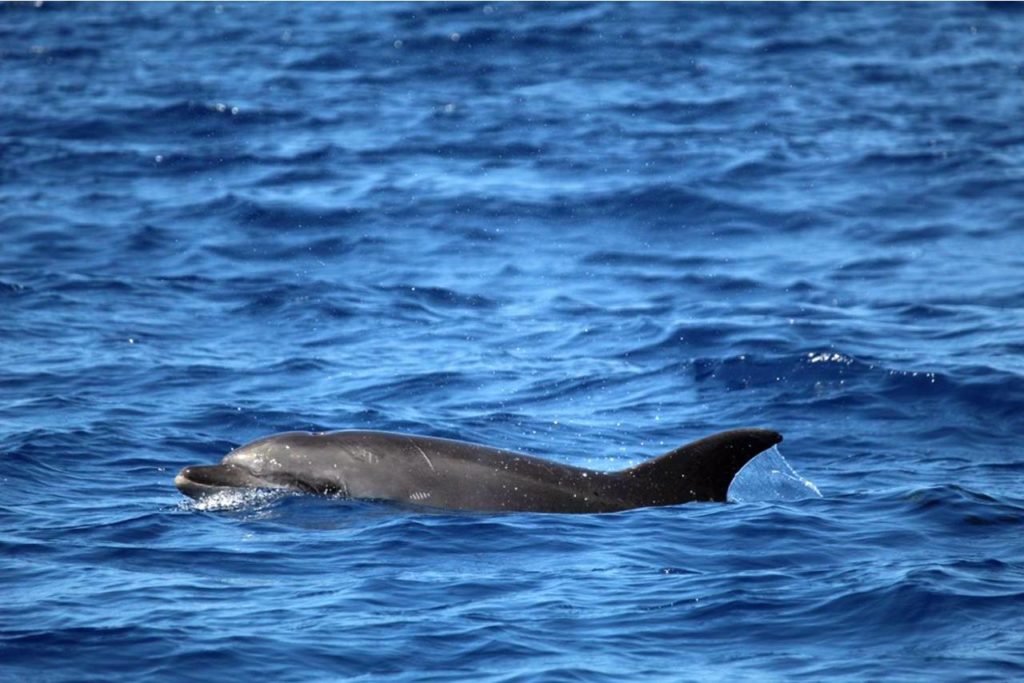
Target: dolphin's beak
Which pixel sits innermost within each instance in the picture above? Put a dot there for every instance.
(200, 481)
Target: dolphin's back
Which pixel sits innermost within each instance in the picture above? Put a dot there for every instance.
(458, 475)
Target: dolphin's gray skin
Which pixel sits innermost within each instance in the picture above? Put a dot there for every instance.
(455, 475)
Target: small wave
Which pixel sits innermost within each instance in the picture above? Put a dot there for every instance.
(331, 60)
(884, 73)
(49, 53)
(687, 111)
(273, 216)
(551, 32)
(441, 297)
(495, 151)
(856, 269)
(951, 504)
(8, 288)
(646, 261)
(888, 609)
(436, 386)
(190, 112)
(833, 43)
(910, 235)
(690, 338)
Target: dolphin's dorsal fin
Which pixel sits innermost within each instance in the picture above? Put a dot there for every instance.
(702, 470)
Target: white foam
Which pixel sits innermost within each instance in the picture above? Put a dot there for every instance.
(232, 499)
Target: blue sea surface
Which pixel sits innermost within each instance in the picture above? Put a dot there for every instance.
(587, 232)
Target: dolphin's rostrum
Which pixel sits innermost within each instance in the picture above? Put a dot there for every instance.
(456, 475)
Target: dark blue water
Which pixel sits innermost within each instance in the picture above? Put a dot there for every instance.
(591, 233)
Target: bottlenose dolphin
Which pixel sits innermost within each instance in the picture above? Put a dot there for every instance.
(456, 475)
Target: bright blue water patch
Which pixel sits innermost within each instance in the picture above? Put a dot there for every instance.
(587, 232)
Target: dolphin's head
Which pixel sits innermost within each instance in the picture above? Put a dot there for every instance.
(274, 462)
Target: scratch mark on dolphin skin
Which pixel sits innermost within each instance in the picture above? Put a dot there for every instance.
(417, 447)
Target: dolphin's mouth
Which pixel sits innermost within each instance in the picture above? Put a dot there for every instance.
(200, 481)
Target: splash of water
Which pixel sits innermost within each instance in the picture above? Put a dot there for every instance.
(769, 477)
(233, 499)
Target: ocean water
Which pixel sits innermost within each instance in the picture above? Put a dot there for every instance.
(587, 232)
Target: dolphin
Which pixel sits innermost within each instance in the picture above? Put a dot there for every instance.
(456, 475)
